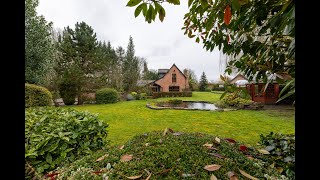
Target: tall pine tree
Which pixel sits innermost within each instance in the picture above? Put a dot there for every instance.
(203, 82)
(130, 68)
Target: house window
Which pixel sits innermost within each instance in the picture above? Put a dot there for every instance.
(174, 88)
(174, 78)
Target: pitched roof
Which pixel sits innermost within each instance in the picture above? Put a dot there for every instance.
(169, 70)
(143, 82)
(238, 76)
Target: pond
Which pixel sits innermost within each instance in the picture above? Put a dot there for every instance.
(188, 105)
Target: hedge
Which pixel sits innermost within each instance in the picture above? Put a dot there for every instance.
(37, 96)
(172, 94)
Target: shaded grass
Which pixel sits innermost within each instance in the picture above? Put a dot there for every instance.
(128, 118)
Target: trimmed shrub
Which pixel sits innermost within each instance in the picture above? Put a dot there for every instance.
(233, 99)
(173, 156)
(37, 96)
(207, 90)
(68, 91)
(175, 101)
(106, 96)
(56, 135)
(282, 150)
(172, 94)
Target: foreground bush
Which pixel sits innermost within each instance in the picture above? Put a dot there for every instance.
(233, 99)
(37, 96)
(106, 96)
(282, 150)
(167, 155)
(54, 136)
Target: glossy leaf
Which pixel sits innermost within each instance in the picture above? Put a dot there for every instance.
(139, 9)
(132, 3)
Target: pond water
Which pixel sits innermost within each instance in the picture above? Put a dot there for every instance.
(190, 105)
(201, 105)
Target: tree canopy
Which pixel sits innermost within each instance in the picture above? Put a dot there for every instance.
(258, 36)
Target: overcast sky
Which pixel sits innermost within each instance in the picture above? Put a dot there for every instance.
(162, 44)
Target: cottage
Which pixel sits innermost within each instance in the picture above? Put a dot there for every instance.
(257, 90)
(170, 80)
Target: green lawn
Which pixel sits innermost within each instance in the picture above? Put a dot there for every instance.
(128, 118)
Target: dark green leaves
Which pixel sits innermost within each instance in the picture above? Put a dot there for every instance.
(235, 5)
(132, 3)
(204, 3)
(150, 13)
(139, 9)
(175, 2)
(189, 2)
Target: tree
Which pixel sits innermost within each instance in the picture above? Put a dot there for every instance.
(203, 82)
(78, 62)
(192, 79)
(38, 45)
(130, 67)
(148, 74)
(258, 36)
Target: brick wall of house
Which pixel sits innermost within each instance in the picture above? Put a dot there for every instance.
(166, 81)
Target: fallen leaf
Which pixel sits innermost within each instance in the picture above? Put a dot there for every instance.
(213, 177)
(164, 171)
(212, 167)
(207, 145)
(97, 172)
(232, 175)
(106, 178)
(170, 130)
(188, 175)
(243, 148)
(250, 157)
(279, 169)
(121, 147)
(177, 133)
(213, 148)
(108, 166)
(217, 140)
(217, 155)
(269, 148)
(134, 177)
(149, 176)
(126, 157)
(247, 175)
(272, 165)
(165, 132)
(102, 157)
(160, 141)
(230, 140)
(147, 144)
(262, 151)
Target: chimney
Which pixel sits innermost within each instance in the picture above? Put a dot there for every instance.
(186, 73)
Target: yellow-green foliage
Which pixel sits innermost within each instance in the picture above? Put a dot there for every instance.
(37, 96)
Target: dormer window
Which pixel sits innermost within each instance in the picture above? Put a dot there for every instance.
(174, 78)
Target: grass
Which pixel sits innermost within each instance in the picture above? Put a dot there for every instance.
(129, 118)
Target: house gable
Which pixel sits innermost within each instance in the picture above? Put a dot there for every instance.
(166, 82)
(237, 77)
